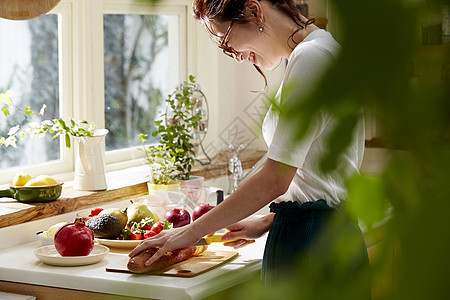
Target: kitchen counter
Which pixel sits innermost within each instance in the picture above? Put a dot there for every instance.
(19, 265)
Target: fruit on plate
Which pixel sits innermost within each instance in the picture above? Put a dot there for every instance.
(178, 217)
(120, 214)
(200, 210)
(51, 231)
(74, 239)
(95, 211)
(20, 179)
(41, 180)
(149, 234)
(138, 211)
(144, 229)
(105, 226)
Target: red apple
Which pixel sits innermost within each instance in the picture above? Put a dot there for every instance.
(74, 239)
(178, 217)
(201, 209)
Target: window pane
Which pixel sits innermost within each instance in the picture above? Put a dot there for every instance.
(136, 75)
(29, 67)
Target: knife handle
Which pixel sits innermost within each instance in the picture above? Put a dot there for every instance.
(217, 238)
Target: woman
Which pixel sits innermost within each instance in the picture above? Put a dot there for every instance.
(263, 32)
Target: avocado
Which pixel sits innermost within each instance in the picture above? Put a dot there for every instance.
(120, 214)
(105, 226)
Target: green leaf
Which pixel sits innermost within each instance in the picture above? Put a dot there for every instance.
(63, 124)
(5, 99)
(141, 137)
(5, 110)
(28, 110)
(366, 199)
(167, 225)
(67, 140)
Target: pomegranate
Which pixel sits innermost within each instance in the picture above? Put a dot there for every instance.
(201, 209)
(74, 239)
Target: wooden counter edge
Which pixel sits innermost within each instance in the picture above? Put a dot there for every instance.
(75, 200)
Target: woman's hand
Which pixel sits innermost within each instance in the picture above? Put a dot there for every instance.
(167, 240)
(247, 231)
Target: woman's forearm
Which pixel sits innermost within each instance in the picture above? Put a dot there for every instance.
(255, 193)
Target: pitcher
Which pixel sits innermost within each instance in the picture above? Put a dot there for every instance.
(89, 166)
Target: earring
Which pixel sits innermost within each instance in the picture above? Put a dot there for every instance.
(260, 29)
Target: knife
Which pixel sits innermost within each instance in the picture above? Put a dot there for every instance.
(217, 238)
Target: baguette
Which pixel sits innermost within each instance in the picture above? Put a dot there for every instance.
(136, 263)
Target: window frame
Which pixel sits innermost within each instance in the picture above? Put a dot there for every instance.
(80, 26)
(66, 161)
(131, 156)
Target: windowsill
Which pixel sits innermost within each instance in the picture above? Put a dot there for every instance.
(123, 184)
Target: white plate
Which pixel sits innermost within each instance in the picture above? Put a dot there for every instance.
(49, 255)
(45, 240)
(124, 244)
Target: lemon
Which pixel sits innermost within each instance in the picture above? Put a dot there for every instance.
(41, 180)
(36, 182)
(48, 179)
(51, 231)
(20, 179)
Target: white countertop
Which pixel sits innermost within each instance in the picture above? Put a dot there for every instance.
(18, 264)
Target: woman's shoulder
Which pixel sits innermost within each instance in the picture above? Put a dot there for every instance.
(318, 43)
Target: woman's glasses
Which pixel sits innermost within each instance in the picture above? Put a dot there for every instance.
(224, 44)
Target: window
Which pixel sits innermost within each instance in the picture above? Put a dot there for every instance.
(111, 62)
(144, 59)
(136, 67)
(30, 68)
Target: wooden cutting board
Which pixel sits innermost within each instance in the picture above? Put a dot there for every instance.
(194, 266)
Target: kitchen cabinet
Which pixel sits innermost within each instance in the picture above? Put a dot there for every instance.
(52, 293)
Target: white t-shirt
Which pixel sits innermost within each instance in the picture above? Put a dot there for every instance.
(306, 65)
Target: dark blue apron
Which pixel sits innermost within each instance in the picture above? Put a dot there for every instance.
(304, 240)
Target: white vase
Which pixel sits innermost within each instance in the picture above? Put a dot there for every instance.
(89, 165)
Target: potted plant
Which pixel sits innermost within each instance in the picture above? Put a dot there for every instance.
(89, 169)
(162, 170)
(174, 155)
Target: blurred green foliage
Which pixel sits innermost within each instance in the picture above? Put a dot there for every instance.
(382, 46)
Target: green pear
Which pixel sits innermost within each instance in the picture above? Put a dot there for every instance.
(120, 214)
(138, 211)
